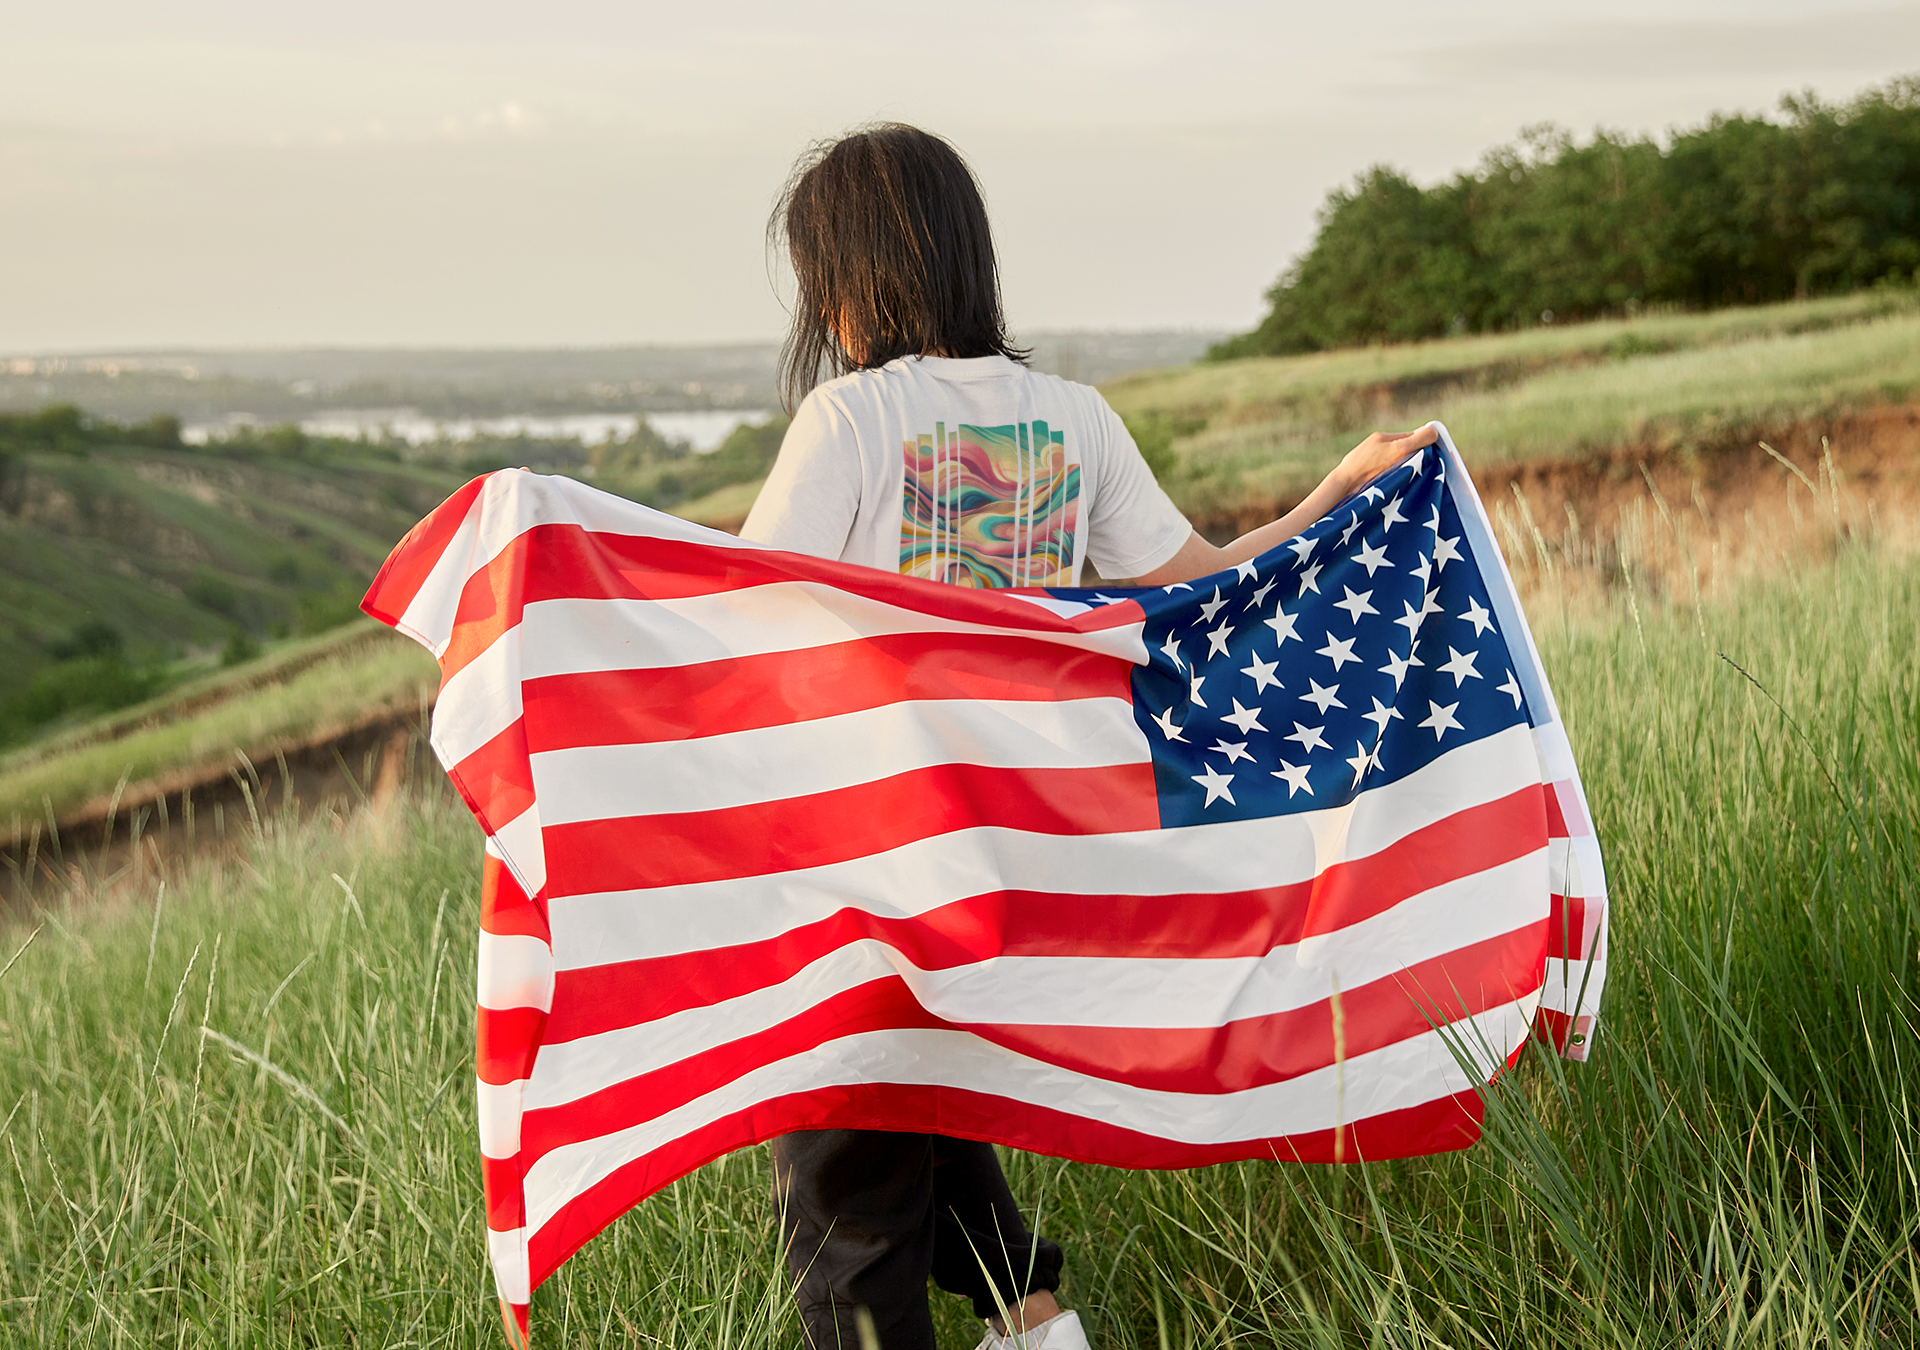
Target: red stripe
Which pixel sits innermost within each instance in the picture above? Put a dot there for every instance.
(1556, 822)
(413, 558)
(507, 1040)
(497, 778)
(632, 852)
(1252, 1052)
(1257, 1051)
(593, 999)
(558, 562)
(1438, 1126)
(777, 688)
(505, 910)
(1567, 927)
(500, 1183)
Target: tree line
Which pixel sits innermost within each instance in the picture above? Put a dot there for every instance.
(1823, 199)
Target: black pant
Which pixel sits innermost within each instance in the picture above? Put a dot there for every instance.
(867, 1215)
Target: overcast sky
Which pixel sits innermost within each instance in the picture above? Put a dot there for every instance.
(223, 172)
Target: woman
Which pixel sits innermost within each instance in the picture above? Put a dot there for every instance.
(936, 452)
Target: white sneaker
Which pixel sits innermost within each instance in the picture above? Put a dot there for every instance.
(1062, 1332)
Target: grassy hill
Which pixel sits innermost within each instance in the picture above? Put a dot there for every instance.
(176, 549)
(1248, 433)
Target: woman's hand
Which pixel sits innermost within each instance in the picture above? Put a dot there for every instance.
(1377, 454)
(1364, 463)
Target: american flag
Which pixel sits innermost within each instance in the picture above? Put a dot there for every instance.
(1285, 863)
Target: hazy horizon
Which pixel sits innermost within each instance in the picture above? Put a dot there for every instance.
(217, 175)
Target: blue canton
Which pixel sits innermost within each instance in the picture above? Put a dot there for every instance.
(1354, 654)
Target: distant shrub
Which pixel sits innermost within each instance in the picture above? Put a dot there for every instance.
(94, 638)
(90, 674)
(215, 593)
(1154, 433)
(240, 648)
(65, 428)
(284, 570)
(318, 611)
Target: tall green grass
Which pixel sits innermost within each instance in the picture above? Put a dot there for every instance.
(239, 1115)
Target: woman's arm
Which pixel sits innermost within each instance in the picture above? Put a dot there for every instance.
(1364, 463)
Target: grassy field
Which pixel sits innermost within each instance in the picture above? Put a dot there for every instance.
(1266, 428)
(238, 1113)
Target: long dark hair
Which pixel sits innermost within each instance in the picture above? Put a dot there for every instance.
(890, 245)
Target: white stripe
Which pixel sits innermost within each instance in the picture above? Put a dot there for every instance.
(515, 972)
(596, 929)
(1561, 988)
(429, 616)
(1405, 1074)
(511, 1277)
(575, 636)
(799, 758)
(480, 701)
(498, 1106)
(570, 636)
(1079, 991)
(523, 850)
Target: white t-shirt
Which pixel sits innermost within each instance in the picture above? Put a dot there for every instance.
(974, 471)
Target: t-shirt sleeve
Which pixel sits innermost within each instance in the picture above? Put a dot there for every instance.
(1134, 526)
(811, 496)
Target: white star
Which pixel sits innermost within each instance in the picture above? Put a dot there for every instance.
(1512, 686)
(1246, 719)
(1338, 650)
(1371, 557)
(1372, 494)
(1248, 570)
(1434, 522)
(1193, 691)
(1209, 608)
(1442, 719)
(1217, 640)
(1172, 649)
(1363, 761)
(1481, 619)
(1309, 581)
(1444, 551)
(1397, 666)
(1411, 619)
(1356, 605)
(1430, 605)
(1391, 516)
(1382, 714)
(1260, 594)
(1215, 783)
(1419, 458)
(1302, 547)
(1460, 667)
(1234, 751)
(1167, 728)
(1261, 673)
(1177, 586)
(1347, 533)
(1308, 737)
(1282, 626)
(1423, 571)
(1322, 698)
(1296, 776)
(1106, 599)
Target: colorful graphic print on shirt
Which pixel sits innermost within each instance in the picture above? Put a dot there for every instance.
(990, 506)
